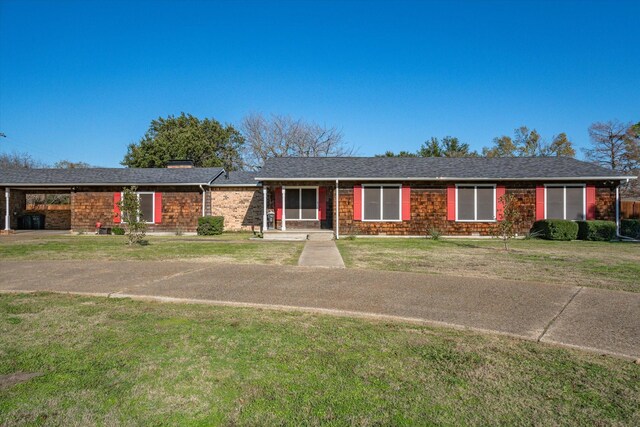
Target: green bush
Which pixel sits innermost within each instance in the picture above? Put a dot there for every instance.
(118, 231)
(630, 228)
(555, 229)
(596, 230)
(210, 225)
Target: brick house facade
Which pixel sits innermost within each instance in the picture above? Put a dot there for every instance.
(411, 195)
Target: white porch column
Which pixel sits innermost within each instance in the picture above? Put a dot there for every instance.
(264, 208)
(337, 211)
(7, 216)
(284, 225)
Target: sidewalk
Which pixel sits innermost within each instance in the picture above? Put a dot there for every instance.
(598, 320)
(321, 253)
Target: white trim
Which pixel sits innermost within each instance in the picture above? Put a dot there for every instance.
(110, 184)
(203, 202)
(475, 202)
(264, 208)
(450, 178)
(300, 187)
(337, 202)
(564, 199)
(283, 226)
(138, 193)
(399, 186)
(7, 216)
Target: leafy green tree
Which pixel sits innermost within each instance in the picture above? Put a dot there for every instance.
(449, 146)
(503, 146)
(529, 143)
(560, 146)
(131, 216)
(206, 142)
(399, 154)
(431, 148)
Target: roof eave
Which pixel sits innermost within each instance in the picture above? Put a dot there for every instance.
(453, 178)
(101, 184)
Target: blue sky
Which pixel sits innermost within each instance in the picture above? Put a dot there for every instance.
(82, 80)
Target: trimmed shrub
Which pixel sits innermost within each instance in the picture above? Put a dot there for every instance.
(630, 228)
(118, 231)
(555, 229)
(210, 225)
(602, 231)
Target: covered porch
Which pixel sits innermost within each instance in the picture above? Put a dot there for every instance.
(299, 207)
(42, 208)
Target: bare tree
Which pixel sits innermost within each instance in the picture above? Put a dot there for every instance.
(19, 160)
(610, 142)
(282, 136)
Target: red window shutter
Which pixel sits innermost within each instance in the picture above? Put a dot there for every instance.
(539, 202)
(278, 202)
(591, 201)
(158, 208)
(451, 203)
(357, 202)
(406, 203)
(116, 208)
(322, 203)
(500, 190)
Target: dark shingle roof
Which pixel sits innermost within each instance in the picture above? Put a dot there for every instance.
(432, 168)
(236, 179)
(109, 176)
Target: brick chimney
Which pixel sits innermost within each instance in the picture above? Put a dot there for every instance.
(179, 164)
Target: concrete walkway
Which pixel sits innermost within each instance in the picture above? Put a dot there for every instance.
(603, 321)
(321, 253)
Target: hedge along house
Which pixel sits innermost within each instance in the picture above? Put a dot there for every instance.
(411, 196)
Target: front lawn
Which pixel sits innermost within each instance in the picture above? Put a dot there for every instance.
(228, 247)
(596, 264)
(113, 362)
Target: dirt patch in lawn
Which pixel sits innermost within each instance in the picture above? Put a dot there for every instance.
(10, 380)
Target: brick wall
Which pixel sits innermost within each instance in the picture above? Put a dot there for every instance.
(56, 217)
(181, 208)
(429, 209)
(241, 207)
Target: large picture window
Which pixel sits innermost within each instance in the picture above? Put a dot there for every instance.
(381, 203)
(565, 202)
(301, 203)
(475, 203)
(147, 208)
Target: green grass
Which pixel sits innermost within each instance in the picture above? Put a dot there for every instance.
(229, 247)
(609, 265)
(114, 362)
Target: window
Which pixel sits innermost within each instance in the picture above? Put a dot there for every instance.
(565, 202)
(381, 202)
(475, 203)
(147, 208)
(301, 203)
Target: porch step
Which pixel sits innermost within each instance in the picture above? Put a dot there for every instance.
(298, 235)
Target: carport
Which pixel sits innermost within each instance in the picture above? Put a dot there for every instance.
(36, 208)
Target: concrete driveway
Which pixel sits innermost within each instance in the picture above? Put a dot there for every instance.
(603, 321)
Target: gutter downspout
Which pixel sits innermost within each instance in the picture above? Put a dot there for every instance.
(618, 210)
(203, 198)
(618, 235)
(337, 211)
